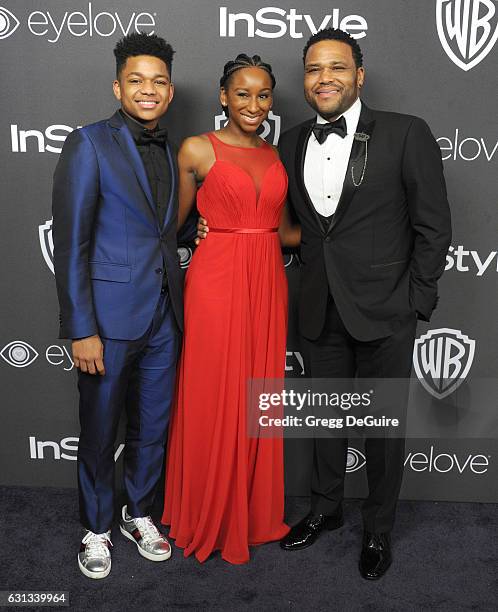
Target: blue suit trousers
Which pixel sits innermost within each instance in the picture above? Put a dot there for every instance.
(139, 376)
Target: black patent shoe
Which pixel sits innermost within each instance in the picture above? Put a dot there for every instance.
(306, 532)
(375, 556)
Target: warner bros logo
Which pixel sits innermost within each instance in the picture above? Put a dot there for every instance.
(442, 359)
(467, 29)
(47, 247)
(269, 129)
(47, 243)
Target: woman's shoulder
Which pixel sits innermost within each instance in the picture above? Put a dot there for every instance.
(195, 146)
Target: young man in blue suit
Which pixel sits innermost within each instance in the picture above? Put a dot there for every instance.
(120, 293)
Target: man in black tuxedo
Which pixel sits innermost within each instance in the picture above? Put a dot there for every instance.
(368, 190)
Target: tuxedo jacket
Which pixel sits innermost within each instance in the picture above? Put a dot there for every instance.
(386, 246)
(109, 248)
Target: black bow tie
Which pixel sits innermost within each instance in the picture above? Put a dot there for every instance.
(322, 130)
(158, 137)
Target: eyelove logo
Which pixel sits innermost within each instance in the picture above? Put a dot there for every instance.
(275, 22)
(8, 23)
(86, 22)
(459, 259)
(431, 461)
(446, 462)
(20, 354)
(468, 149)
(355, 460)
(442, 359)
(467, 29)
(269, 129)
(184, 256)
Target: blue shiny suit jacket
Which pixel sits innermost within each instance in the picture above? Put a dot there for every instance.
(108, 246)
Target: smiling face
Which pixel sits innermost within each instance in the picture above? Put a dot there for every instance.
(248, 96)
(332, 81)
(144, 89)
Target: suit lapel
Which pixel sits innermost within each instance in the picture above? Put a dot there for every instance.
(173, 168)
(125, 140)
(366, 124)
(301, 146)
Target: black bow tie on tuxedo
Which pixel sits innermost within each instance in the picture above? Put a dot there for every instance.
(158, 137)
(322, 130)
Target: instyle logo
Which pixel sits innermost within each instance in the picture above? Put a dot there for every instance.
(463, 260)
(18, 354)
(467, 29)
(8, 23)
(86, 22)
(466, 149)
(38, 140)
(275, 22)
(55, 450)
(269, 129)
(442, 359)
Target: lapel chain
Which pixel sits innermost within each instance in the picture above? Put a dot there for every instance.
(362, 137)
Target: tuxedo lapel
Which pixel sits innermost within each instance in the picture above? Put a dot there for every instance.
(173, 169)
(123, 137)
(366, 124)
(301, 146)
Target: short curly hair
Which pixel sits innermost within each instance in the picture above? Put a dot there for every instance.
(138, 43)
(339, 35)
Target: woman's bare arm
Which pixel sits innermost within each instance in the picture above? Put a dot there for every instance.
(187, 173)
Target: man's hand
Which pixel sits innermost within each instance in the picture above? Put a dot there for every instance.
(202, 230)
(88, 355)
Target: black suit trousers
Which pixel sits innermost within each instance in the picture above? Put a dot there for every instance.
(336, 354)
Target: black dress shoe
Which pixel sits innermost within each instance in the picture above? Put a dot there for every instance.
(375, 556)
(305, 533)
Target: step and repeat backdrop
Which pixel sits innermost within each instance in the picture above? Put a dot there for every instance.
(435, 59)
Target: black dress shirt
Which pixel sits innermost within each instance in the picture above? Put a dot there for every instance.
(157, 168)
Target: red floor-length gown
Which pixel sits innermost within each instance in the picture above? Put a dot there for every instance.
(225, 490)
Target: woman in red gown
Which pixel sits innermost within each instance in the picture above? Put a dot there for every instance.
(224, 489)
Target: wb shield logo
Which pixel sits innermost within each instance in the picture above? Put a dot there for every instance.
(467, 29)
(47, 247)
(47, 243)
(269, 130)
(442, 359)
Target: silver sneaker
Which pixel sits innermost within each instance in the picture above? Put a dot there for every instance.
(151, 544)
(94, 557)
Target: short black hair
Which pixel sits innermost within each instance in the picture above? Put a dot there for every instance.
(245, 61)
(339, 35)
(138, 43)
